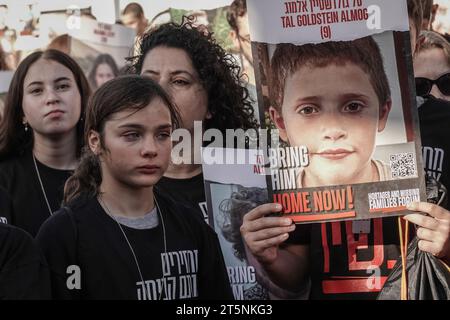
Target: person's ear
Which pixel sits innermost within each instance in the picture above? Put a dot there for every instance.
(278, 120)
(384, 114)
(94, 142)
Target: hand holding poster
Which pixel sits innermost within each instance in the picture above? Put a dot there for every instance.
(341, 98)
(232, 190)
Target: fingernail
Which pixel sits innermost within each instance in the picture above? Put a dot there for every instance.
(287, 222)
(278, 206)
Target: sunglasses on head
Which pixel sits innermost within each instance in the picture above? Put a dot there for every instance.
(424, 85)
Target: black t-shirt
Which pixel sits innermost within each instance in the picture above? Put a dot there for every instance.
(434, 117)
(19, 178)
(192, 267)
(23, 271)
(345, 265)
(6, 206)
(190, 192)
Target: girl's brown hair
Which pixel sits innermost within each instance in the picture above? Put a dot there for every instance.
(130, 92)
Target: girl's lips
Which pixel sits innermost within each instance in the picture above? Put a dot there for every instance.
(54, 113)
(148, 169)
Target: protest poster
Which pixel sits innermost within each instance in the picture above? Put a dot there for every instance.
(98, 45)
(99, 48)
(233, 186)
(334, 77)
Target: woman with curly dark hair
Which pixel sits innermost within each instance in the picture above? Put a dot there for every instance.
(206, 84)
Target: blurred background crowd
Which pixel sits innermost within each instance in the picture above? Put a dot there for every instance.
(99, 35)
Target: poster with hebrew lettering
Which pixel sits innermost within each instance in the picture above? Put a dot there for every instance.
(335, 82)
(100, 49)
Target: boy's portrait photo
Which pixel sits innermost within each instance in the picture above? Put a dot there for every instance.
(341, 100)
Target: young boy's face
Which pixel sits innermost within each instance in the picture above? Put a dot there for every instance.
(334, 112)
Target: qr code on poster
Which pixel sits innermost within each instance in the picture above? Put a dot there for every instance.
(403, 165)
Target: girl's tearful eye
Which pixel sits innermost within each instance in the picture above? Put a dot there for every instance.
(132, 136)
(163, 135)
